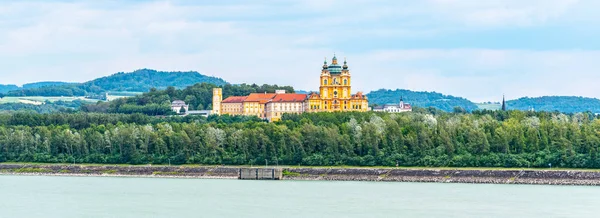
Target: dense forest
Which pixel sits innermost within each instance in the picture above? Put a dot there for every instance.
(480, 139)
(158, 102)
(138, 81)
(565, 104)
(420, 99)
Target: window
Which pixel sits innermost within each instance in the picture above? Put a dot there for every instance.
(325, 82)
(345, 81)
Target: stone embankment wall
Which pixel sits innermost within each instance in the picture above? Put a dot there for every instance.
(548, 177)
(116, 170)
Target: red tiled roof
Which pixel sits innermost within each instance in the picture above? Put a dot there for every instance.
(234, 99)
(289, 98)
(259, 97)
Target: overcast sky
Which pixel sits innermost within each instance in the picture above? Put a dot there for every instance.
(478, 49)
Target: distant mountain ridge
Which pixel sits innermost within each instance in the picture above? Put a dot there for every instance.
(44, 84)
(137, 81)
(144, 79)
(420, 99)
(8, 88)
(565, 104)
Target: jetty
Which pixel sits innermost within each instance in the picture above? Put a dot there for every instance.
(261, 174)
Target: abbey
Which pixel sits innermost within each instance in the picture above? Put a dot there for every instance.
(335, 91)
(335, 94)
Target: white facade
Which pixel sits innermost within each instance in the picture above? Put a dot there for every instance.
(276, 109)
(394, 108)
(178, 105)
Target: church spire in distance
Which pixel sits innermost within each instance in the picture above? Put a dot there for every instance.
(503, 104)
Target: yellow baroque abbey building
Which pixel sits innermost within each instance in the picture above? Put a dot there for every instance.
(335, 94)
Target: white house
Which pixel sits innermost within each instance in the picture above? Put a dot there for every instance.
(177, 105)
(394, 108)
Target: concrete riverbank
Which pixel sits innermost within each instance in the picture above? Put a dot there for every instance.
(504, 176)
(542, 177)
(120, 170)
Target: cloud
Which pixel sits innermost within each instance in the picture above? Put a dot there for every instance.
(502, 12)
(284, 43)
(481, 74)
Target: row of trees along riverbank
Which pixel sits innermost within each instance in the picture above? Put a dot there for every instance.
(481, 139)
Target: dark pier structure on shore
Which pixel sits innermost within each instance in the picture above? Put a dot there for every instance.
(261, 174)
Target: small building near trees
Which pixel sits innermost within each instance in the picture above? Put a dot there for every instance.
(179, 106)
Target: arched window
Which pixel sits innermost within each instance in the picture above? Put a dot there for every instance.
(345, 81)
(325, 82)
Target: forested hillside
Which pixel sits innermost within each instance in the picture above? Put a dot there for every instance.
(484, 139)
(420, 99)
(138, 81)
(198, 97)
(565, 104)
(43, 84)
(7, 88)
(143, 80)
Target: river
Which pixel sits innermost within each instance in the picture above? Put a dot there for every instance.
(65, 197)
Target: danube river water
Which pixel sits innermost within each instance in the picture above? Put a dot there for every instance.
(65, 197)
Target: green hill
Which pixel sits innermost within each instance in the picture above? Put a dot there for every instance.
(7, 88)
(137, 81)
(420, 99)
(144, 79)
(565, 104)
(44, 84)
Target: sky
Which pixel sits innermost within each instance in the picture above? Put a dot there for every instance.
(475, 49)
